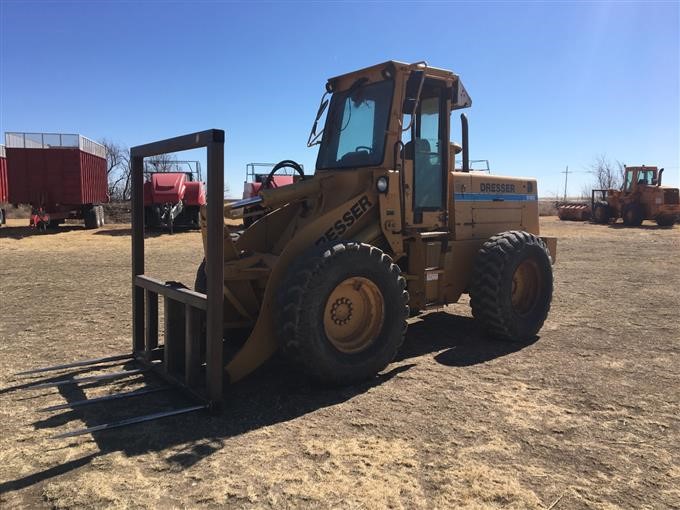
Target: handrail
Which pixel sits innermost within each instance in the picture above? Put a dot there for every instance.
(25, 140)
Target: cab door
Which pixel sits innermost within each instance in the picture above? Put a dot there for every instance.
(428, 150)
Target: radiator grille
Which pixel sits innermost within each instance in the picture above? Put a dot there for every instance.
(671, 197)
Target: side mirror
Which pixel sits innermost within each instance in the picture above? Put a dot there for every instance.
(322, 108)
(413, 87)
(312, 140)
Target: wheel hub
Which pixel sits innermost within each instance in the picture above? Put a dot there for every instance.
(526, 285)
(354, 314)
(341, 311)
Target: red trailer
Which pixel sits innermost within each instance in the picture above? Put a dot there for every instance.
(3, 184)
(60, 175)
(173, 195)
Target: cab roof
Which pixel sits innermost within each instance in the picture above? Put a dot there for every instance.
(399, 67)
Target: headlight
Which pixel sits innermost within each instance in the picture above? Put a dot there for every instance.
(381, 184)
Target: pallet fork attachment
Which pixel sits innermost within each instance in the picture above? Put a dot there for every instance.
(193, 321)
(75, 364)
(91, 378)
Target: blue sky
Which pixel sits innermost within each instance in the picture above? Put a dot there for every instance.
(552, 84)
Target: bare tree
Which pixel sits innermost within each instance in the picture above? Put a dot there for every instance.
(586, 190)
(607, 175)
(117, 168)
(124, 188)
(114, 155)
(163, 163)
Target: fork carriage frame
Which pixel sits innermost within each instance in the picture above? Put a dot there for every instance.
(185, 309)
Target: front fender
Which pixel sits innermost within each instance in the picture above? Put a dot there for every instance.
(347, 221)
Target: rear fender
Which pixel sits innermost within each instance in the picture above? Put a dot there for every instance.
(551, 243)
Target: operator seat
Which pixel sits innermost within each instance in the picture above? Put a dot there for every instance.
(356, 158)
(422, 145)
(427, 175)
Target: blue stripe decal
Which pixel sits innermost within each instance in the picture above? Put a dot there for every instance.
(498, 197)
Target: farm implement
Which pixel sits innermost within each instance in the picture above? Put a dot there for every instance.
(574, 211)
(173, 197)
(62, 176)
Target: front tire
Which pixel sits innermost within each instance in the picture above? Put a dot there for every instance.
(512, 285)
(632, 215)
(601, 213)
(342, 313)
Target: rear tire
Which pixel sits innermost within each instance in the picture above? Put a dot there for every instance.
(156, 223)
(666, 221)
(512, 285)
(632, 215)
(90, 218)
(601, 213)
(193, 217)
(147, 217)
(342, 313)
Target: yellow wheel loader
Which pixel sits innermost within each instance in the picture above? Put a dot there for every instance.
(385, 223)
(333, 264)
(642, 197)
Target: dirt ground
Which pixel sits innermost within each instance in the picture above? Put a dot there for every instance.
(586, 416)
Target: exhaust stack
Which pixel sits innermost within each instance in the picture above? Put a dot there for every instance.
(465, 141)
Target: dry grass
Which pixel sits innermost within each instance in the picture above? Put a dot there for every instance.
(588, 413)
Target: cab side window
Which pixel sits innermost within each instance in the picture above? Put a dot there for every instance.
(428, 146)
(629, 180)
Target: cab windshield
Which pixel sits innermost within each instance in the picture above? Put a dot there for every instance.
(356, 126)
(643, 177)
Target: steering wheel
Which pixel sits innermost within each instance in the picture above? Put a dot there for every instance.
(268, 181)
(368, 149)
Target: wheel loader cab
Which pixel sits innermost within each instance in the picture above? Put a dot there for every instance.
(639, 176)
(395, 118)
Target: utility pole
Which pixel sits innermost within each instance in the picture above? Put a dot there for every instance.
(566, 176)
